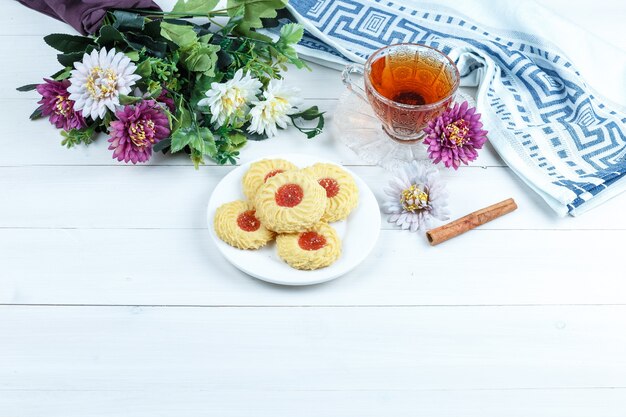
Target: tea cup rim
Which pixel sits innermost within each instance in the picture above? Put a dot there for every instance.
(368, 84)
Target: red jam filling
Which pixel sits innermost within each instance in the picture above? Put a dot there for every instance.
(271, 174)
(289, 195)
(331, 186)
(311, 241)
(248, 222)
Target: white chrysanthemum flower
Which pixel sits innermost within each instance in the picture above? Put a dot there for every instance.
(229, 100)
(280, 101)
(98, 81)
(416, 195)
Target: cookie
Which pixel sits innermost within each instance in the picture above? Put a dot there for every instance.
(341, 190)
(290, 202)
(260, 171)
(236, 224)
(314, 248)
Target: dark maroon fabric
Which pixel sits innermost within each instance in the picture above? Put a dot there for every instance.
(84, 15)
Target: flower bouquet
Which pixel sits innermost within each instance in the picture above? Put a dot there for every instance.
(158, 81)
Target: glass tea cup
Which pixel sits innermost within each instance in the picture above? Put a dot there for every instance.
(407, 85)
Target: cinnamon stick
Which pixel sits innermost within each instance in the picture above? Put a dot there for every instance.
(472, 220)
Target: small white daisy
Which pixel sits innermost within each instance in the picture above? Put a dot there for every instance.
(280, 101)
(229, 101)
(98, 81)
(416, 196)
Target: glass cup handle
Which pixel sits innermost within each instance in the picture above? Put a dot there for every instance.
(347, 80)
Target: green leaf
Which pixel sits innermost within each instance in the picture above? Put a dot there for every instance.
(162, 145)
(133, 55)
(210, 148)
(291, 33)
(200, 141)
(144, 70)
(180, 139)
(155, 91)
(62, 74)
(258, 36)
(109, 35)
(233, 141)
(197, 158)
(236, 17)
(202, 58)
(203, 84)
(139, 41)
(67, 60)
(27, 87)
(311, 113)
(237, 139)
(224, 60)
(181, 35)
(37, 114)
(195, 6)
(256, 137)
(68, 43)
(152, 28)
(183, 119)
(254, 10)
(124, 100)
(196, 142)
(128, 20)
(77, 136)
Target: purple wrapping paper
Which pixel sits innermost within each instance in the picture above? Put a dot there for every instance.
(84, 15)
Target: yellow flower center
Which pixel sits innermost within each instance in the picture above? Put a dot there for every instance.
(277, 106)
(138, 132)
(62, 106)
(232, 101)
(101, 83)
(414, 198)
(457, 132)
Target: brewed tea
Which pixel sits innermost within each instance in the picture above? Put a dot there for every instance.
(407, 85)
(410, 81)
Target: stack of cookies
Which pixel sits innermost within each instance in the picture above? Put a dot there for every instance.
(292, 205)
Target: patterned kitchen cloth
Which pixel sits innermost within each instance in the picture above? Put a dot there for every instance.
(556, 133)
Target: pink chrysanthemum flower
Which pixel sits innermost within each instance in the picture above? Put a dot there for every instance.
(56, 105)
(136, 129)
(454, 136)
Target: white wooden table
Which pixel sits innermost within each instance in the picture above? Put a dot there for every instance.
(114, 301)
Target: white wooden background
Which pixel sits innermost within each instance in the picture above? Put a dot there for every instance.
(114, 301)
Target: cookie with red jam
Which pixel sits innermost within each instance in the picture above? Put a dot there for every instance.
(260, 171)
(314, 248)
(290, 202)
(236, 223)
(341, 190)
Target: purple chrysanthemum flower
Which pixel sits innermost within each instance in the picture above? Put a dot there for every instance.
(55, 104)
(136, 129)
(416, 195)
(454, 136)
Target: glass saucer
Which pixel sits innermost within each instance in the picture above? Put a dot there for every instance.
(356, 125)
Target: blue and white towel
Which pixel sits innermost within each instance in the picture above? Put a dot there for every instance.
(544, 119)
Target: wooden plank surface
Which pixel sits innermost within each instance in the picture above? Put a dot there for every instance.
(544, 361)
(132, 197)
(312, 348)
(183, 267)
(114, 301)
(598, 402)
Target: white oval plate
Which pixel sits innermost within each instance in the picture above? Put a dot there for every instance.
(358, 232)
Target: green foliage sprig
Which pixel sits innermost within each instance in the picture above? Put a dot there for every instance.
(179, 59)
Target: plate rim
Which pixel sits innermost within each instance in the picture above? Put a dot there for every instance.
(362, 190)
